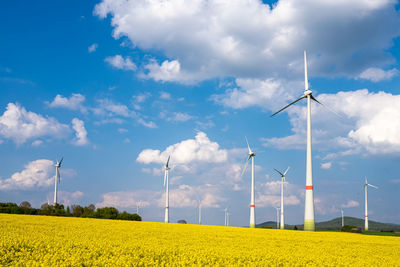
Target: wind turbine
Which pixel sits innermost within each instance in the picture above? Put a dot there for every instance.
(226, 217)
(137, 206)
(166, 184)
(57, 179)
(309, 222)
(199, 212)
(283, 175)
(366, 202)
(252, 201)
(277, 217)
(342, 217)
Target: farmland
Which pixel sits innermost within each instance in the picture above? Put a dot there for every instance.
(32, 240)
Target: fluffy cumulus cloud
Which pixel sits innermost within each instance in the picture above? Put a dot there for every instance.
(74, 102)
(267, 94)
(21, 125)
(80, 132)
(376, 74)
(368, 122)
(121, 63)
(249, 39)
(36, 174)
(199, 149)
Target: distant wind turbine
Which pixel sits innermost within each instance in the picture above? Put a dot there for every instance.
(252, 201)
(166, 184)
(57, 179)
(283, 175)
(309, 222)
(342, 217)
(226, 217)
(137, 206)
(199, 212)
(277, 217)
(366, 184)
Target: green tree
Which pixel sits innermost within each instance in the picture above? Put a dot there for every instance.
(25, 204)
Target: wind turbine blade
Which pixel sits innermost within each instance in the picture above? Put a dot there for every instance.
(313, 98)
(165, 176)
(285, 107)
(168, 161)
(373, 186)
(286, 170)
(61, 160)
(245, 166)
(59, 175)
(248, 145)
(278, 172)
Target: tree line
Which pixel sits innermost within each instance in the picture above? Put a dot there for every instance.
(74, 211)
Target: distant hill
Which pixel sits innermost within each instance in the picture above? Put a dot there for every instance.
(336, 224)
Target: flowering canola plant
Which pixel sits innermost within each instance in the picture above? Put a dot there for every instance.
(27, 240)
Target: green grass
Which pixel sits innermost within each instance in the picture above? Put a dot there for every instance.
(381, 233)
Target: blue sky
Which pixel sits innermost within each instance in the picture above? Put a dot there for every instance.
(117, 86)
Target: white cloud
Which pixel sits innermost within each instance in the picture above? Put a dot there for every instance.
(200, 149)
(37, 143)
(66, 198)
(122, 130)
(326, 165)
(268, 194)
(248, 39)
(267, 94)
(165, 95)
(370, 122)
(112, 110)
(92, 48)
(80, 132)
(36, 174)
(178, 117)
(119, 62)
(189, 196)
(126, 199)
(74, 102)
(377, 75)
(351, 204)
(20, 125)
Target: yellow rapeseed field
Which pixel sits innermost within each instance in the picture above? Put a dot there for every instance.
(58, 241)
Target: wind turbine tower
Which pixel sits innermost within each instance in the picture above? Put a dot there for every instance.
(277, 217)
(57, 180)
(252, 201)
(366, 202)
(283, 175)
(309, 222)
(166, 184)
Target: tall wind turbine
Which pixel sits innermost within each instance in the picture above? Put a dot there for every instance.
(252, 201)
(309, 223)
(166, 184)
(366, 202)
(283, 175)
(57, 179)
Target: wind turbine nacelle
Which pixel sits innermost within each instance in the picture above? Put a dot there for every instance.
(307, 92)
